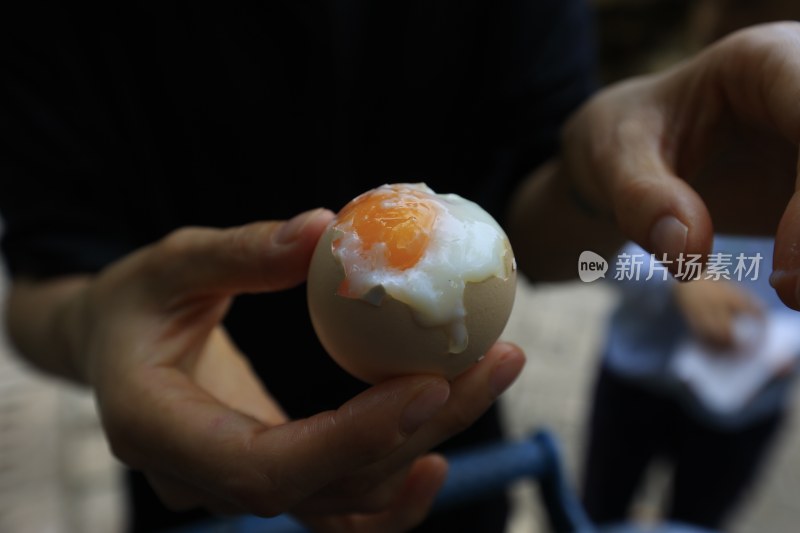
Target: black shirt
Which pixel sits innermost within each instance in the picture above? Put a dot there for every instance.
(122, 122)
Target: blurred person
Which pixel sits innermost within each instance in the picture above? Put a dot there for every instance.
(162, 166)
(645, 407)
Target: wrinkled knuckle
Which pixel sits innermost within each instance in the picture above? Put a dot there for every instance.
(630, 193)
(240, 241)
(170, 257)
(166, 255)
(243, 247)
(177, 242)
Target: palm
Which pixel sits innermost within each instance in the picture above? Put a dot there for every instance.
(222, 371)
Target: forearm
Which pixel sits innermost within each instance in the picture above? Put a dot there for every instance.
(43, 319)
(549, 226)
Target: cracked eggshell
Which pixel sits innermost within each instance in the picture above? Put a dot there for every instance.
(377, 342)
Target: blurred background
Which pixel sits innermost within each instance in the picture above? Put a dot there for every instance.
(56, 474)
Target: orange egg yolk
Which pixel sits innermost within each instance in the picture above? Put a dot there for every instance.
(399, 217)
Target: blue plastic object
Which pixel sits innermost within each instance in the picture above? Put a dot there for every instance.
(490, 469)
(473, 474)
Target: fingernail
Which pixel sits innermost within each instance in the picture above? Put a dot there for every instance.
(668, 236)
(424, 406)
(293, 227)
(505, 373)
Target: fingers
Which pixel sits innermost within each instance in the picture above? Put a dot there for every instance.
(471, 394)
(237, 462)
(785, 276)
(179, 496)
(358, 492)
(415, 500)
(704, 121)
(376, 434)
(767, 94)
(770, 99)
(263, 256)
(757, 71)
(408, 509)
(616, 151)
(331, 446)
(664, 215)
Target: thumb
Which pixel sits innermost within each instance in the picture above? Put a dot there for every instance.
(664, 215)
(257, 257)
(629, 177)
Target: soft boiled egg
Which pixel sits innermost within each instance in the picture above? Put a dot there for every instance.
(407, 281)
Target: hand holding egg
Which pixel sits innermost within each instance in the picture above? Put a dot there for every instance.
(405, 281)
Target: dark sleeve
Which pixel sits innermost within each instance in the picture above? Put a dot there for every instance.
(86, 163)
(59, 199)
(539, 68)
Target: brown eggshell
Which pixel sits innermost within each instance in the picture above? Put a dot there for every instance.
(374, 343)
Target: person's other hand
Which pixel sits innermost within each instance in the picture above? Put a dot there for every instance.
(714, 138)
(180, 403)
(711, 308)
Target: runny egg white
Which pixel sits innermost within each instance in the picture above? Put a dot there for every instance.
(405, 280)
